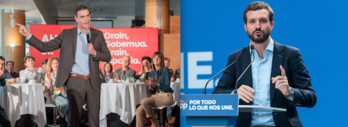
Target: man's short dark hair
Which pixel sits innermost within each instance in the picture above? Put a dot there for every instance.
(28, 57)
(9, 62)
(80, 7)
(146, 58)
(256, 6)
(44, 61)
(2, 58)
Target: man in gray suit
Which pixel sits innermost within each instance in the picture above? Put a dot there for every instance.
(79, 60)
(124, 70)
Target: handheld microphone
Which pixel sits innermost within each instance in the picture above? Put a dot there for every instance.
(88, 39)
(252, 49)
(204, 92)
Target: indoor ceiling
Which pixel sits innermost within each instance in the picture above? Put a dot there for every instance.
(32, 14)
(46, 11)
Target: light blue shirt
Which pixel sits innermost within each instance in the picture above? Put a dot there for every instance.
(261, 77)
(81, 65)
(27, 38)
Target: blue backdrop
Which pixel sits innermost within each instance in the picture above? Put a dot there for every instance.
(211, 30)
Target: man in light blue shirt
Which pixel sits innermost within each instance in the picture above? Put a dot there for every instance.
(78, 67)
(277, 76)
(261, 73)
(81, 60)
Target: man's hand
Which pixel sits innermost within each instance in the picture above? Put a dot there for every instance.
(117, 77)
(146, 68)
(23, 30)
(18, 79)
(31, 69)
(90, 49)
(2, 72)
(12, 81)
(172, 79)
(281, 82)
(246, 93)
(142, 70)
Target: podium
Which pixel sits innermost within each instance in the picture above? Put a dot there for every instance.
(216, 110)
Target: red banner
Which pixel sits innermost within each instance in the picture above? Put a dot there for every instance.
(133, 42)
(45, 33)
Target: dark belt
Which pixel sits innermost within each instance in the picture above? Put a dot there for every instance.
(79, 76)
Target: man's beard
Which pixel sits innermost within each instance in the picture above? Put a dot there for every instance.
(261, 39)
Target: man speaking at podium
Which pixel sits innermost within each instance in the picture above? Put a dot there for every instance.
(277, 76)
(81, 49)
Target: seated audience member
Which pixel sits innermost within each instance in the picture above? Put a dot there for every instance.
(10, 67)
(145, 68)
(44, 65)
(124, 70)
(4, 121)
(25, 120)
(31, 72)
(58, 95)
(167, 64)
(177, 73)
(108, 72)
(10, 76)
(7, 75)
(158, 81)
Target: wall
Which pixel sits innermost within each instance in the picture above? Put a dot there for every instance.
(169, 45)
(124, 21)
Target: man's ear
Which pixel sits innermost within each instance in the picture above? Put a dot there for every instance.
(272, 25)
(75, 18)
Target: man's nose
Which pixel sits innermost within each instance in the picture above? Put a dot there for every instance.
(258, 25)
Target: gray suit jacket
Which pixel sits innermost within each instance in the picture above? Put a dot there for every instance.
(66, 41)
(130, 72)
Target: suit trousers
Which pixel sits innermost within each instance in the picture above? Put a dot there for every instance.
(79, 92)
(147, 104)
